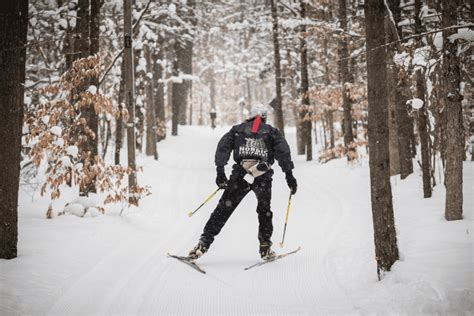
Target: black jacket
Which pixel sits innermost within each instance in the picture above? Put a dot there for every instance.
(267, 144)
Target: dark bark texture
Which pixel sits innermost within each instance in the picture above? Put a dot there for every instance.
(403, 120)
(386, 250)
(422, 121)
(454, 119)
(276, 47)
(159, 92)
(345, 78)
(304, 90)
(13, 28)
(178, 88)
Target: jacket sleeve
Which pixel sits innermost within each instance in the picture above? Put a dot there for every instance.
(282, 151)
(224, 148)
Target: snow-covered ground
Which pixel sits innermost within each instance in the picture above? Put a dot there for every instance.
(117, 264)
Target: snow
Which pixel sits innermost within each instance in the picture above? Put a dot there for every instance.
(65, 161)
(465, 34)
(72, 150)
(415, 103)
(63, 23)
(92, 89)
(56, 130)
(402, 59)
(117, 264)
(74, 209)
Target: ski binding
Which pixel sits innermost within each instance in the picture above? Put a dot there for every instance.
(188, 261)
(277, 257)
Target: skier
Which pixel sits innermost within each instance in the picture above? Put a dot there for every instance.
(256, 145)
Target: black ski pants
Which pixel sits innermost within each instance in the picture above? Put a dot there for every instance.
(236, 189)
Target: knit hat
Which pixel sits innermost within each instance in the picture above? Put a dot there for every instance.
(258, 109)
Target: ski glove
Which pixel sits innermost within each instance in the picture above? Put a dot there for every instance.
(221, 179)
(290, 179)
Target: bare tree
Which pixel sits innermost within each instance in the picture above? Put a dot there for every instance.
(404, 122)
(304, 89)
(276, 46)
(129, 95)
(13, 28)
(150, 108)
(386, 250)
(345, 78)
(422, 121)
(453, 112)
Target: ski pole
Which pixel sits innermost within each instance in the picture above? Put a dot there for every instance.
(286, 220)
(205, 201)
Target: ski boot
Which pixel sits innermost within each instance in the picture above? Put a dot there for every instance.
(197, 251)
(265, 250)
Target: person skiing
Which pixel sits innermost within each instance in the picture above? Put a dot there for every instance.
(255, 145)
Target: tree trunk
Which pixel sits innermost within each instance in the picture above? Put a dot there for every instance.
(82, 50)
(392, 127)
(139, 93)
(13, 29)
(330, 117)
(345, 79)
(130, 96)
(300, 145)
(186, 62)
(422, 121)
(306, 112)
(212, 96)
(386, 250)
(423, 133)
(454, 118)
(91, 146)
(404, 122)
(159, 97)
(276, 46)
(119, 121)
(150, 108)
(178, 88)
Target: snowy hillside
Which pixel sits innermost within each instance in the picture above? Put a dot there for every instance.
(114, 264)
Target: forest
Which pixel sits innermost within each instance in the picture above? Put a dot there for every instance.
(111, 111)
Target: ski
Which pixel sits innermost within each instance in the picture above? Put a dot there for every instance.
(274, 259)
(187, 261)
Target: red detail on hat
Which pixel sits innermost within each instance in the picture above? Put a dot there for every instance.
(256, 123)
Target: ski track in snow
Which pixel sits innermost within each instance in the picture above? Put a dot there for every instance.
(129, 273)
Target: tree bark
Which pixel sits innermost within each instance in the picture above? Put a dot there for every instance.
(404, 122)
(423, 133)
(186, 62)
(130, 96)
(306, 121)
(150, 108)
(422, 121)
(454, 118)
(159, 97)
(345, 79)
(13, 29)
(291, 73)
(386, 250)
(276, 46)
(93, 44)
(119, 121)
(330, 118)
(178, 88)
(392, 127)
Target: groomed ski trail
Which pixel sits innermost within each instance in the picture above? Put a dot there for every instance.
(119, 265)
(145, 281)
